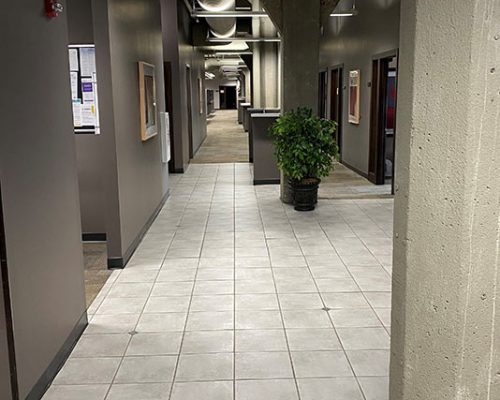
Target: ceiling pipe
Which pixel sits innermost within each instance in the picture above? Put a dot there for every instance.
(221, 28)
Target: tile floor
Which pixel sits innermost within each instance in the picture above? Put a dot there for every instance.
(234, 296)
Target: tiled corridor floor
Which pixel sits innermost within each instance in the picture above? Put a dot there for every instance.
(232, 295)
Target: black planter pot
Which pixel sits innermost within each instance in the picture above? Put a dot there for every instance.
(306, 193)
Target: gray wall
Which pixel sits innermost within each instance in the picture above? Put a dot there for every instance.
(90, 149)
(188, 55)
(178, 50)
(353, 41)
(125, 33)
(39, 187)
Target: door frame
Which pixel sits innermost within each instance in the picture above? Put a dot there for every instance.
(12, 388)
(323, 86)
(341, 88)
(376, 160)
(189, 101)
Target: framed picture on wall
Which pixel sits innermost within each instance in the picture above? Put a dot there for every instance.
(200, 94)
(354, 95)
(147, 101)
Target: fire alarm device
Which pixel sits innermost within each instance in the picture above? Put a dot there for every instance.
(53, 8)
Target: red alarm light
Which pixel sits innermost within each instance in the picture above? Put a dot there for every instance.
(53, 8)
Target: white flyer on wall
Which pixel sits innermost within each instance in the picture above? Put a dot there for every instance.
(77, 113)
(87, 61)
(74, 85)
(73, 60)
(88, 114)
(88, 90)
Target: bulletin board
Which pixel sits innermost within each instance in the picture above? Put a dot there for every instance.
(84, 98)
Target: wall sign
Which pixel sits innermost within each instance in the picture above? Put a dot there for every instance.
(354, 96)
(83, 78)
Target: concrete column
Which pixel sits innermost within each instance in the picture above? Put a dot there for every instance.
(265, 63)
(300, 53)
(446, 296)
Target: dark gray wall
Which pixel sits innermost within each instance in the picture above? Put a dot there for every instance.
(353, 41)
(179, 51)
(90, 149)
(38, 175)
(125, 33)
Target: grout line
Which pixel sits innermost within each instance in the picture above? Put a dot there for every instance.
(194, 282)
(279, 306)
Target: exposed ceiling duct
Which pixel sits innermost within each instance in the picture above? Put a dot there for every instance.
(220, 27)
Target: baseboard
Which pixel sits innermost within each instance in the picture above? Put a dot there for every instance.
(62, 355)
(94, 237)
(266, 181)
(364, 175)
(121, 262)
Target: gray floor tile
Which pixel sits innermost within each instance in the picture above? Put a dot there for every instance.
(260, 340)
(146, 369)
(149, 344)
(205, 367)
(300, 301)
(329, 389)
(306, 319)
(263, 365)
(210, 320)
(320, 364)
(354, 318)
(172, 289)
(364, 338)
(218, 302)
(375, 388)
(202, 342)
(101, 345)
(258, 320)
(275, 389)
(166, 322)
(76, 392)
(369, 362)
(256, 302)
(312, 339)
(145, 391)
(80, 371)
(123, 323)
(218, 390)
(171, 304)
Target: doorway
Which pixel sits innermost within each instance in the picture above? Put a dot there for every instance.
(323, 94)
(228, 97)
(189, 100)
(336, 98)
(383, 119)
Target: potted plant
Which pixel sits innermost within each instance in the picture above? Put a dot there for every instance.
(305, 150)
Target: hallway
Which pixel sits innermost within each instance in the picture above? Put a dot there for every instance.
(226, 141)
(233, 295)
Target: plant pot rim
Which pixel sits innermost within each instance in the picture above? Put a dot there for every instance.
(306, 182)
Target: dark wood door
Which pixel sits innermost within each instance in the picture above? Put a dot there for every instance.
(382, 121)
(323, 94)
(189, 100)
(336, 92)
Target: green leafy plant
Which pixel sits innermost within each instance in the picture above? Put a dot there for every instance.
(304, 144)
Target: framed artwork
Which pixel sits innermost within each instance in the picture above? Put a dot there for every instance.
(200, 94)
(147, 101)
(354, 95)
